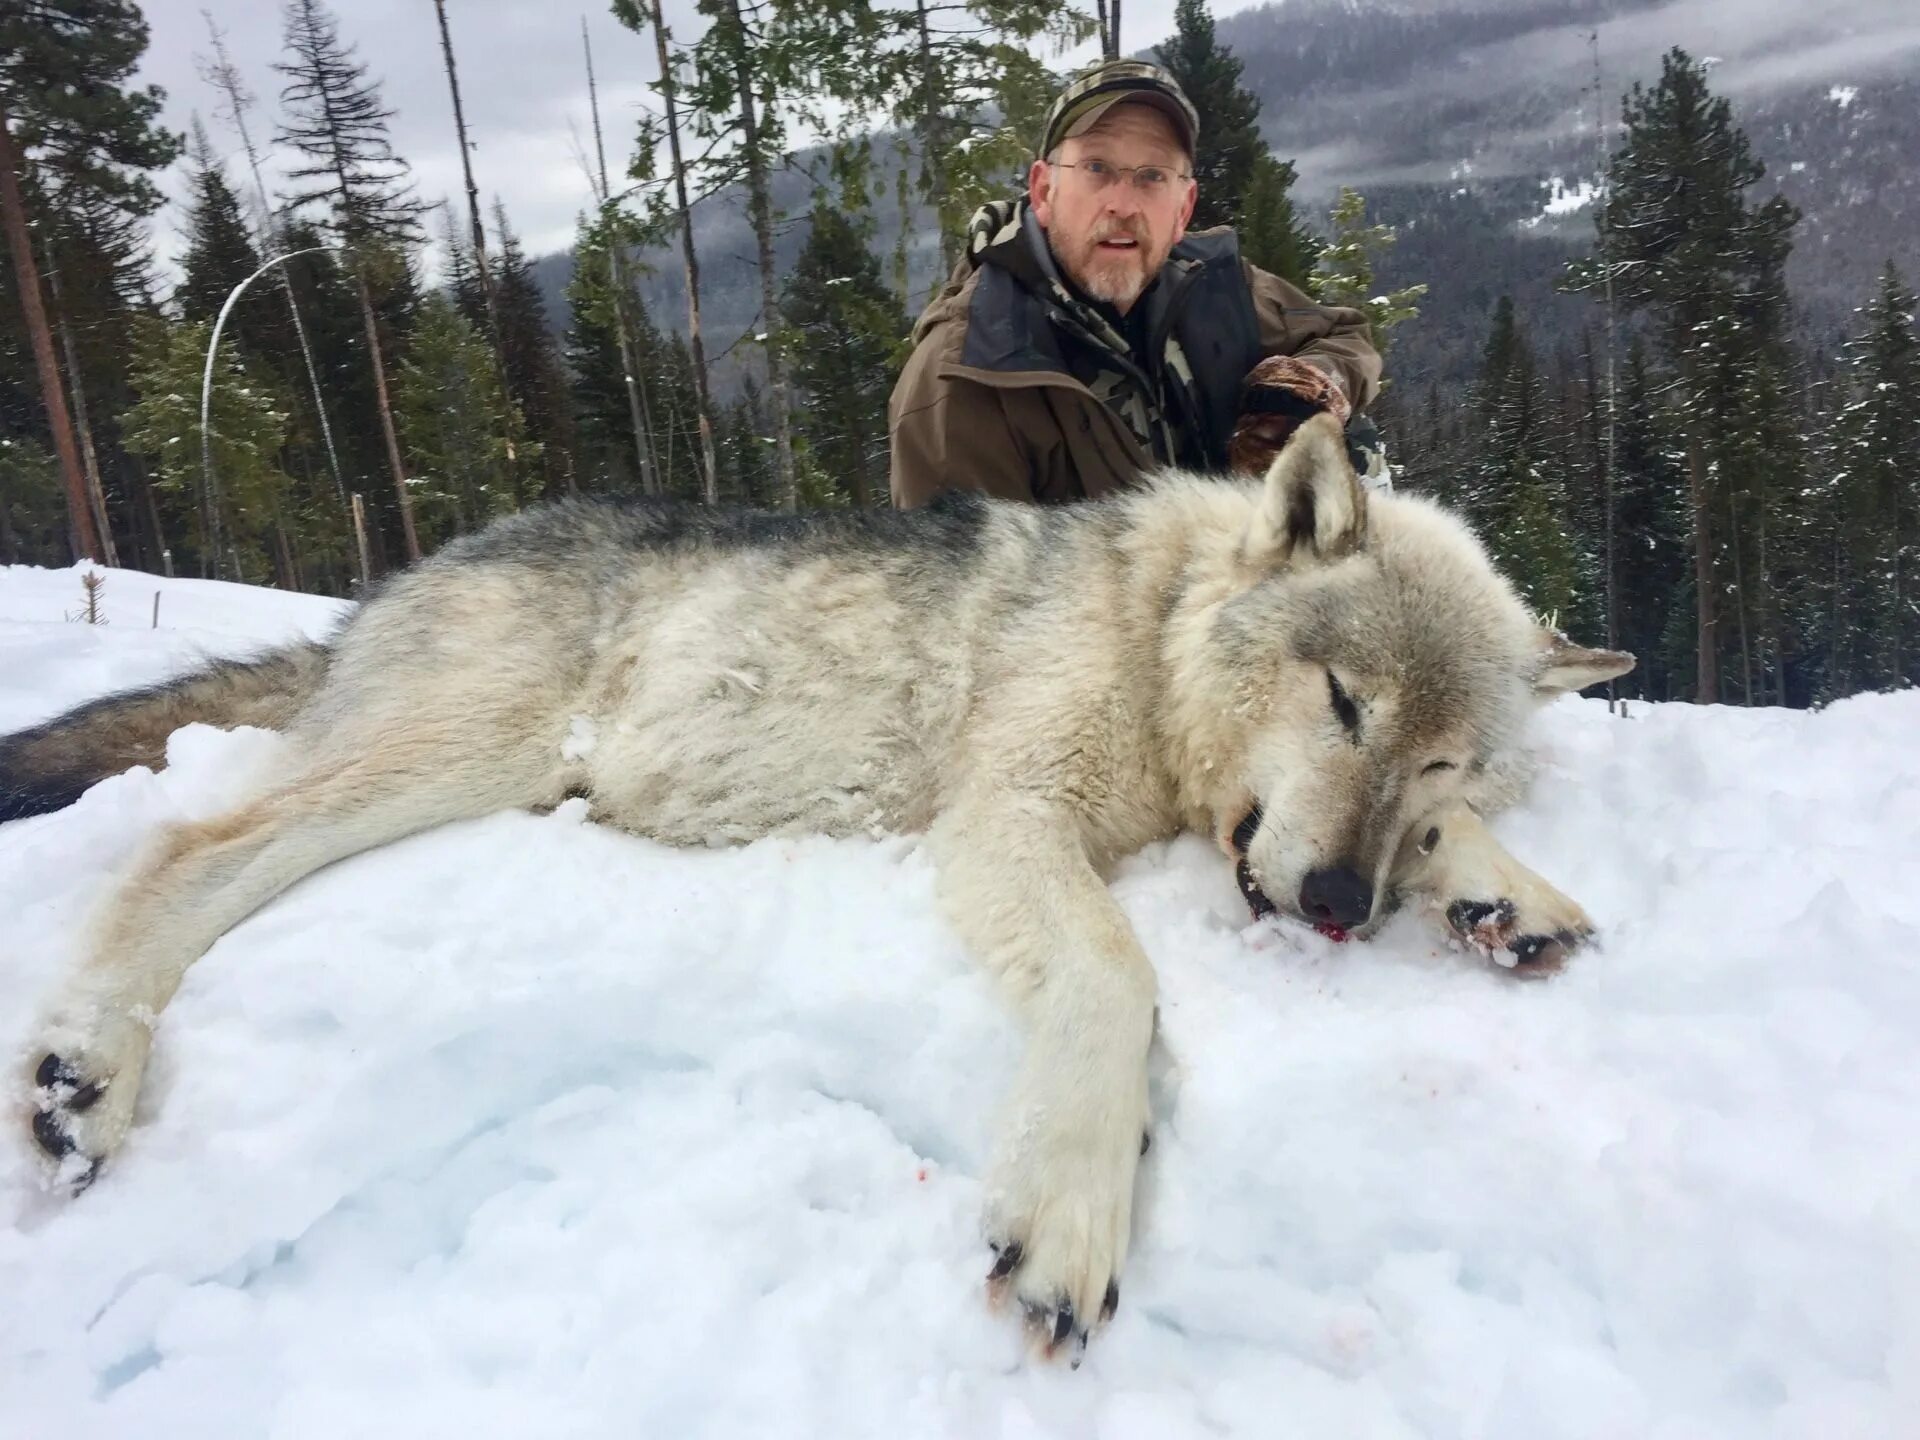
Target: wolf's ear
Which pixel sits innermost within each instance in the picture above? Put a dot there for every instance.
(1312, 509)
(1565, 666)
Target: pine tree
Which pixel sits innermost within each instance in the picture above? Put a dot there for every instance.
(1516, 494)
(477, 232)
(336, 120)
(534, 376)
(67, 118)
(1677, 239)
(1878, 495)
(221, 73)
(969, 83)
(33, 513)
(1230, 147)
(1345, 269)
(219, 252)
(1651, 556)
(682, 457)
(746, 450)
(736, 66)
(455, 421)
(1241, 183)
(847, 327)
(242, 504)
(1272, 233)
(604, 450)
(618, 234)
(325, 293)
(639, 15)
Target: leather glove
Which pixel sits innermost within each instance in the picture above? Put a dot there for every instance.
(1279, 393)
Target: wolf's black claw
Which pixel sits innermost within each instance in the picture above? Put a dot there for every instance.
(1544, 952)
(1006, 1259)
(1146, 1141)
(83, 1098)
(1529, 949)
(55, 1071)
(1112, 1302)
(1466, 916)
(55, 1141)
(1063, 1321)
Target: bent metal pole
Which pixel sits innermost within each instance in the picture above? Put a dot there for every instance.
(206, 398)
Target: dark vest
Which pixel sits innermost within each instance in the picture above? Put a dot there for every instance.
(1201, 299)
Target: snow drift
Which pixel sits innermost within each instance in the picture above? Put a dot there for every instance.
(528, 1128)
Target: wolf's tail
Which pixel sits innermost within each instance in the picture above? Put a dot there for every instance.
(48, 767)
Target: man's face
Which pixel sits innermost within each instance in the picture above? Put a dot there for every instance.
(1110, 236)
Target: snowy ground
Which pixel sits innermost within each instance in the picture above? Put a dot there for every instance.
(525, 1128)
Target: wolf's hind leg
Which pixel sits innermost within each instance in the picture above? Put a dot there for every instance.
(1488, 899)
(204, 877)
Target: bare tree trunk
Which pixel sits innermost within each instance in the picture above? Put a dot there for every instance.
(638, 410)
(82, 427)
(1114, 35)
(709, 471)
(1707, 681)
(862, 477)
(760, 208)
(1740, 599)
(479, 231)
(1613, 410)
(359, 512)
(933, 139)
(13, 214)
(1771, 653)
(283, 555)
(386, 415)
(1107, 52)
(224, 76)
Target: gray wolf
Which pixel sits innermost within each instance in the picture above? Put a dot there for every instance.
(1332, 684)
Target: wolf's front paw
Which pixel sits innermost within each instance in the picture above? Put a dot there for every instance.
(1530, 939)
(1058, 1215)
(84, 1085)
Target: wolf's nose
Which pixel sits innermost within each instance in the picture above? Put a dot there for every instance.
(1337, 897)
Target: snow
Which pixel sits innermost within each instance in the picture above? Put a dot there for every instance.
(528, 1128)
(1843, 95)
(1564, 199)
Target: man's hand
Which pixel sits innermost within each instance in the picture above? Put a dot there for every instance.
(1277, 395)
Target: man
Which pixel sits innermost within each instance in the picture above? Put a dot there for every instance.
(1086, 337)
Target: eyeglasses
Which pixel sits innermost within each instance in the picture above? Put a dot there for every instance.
(1153, 181)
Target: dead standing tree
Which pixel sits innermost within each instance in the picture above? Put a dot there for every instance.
(224, 76)
(638, 15)
(334, 118)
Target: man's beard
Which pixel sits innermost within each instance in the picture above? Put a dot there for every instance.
(1117, 277)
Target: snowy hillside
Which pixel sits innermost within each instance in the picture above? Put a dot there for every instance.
(527, 1128)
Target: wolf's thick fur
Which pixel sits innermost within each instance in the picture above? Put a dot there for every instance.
(1332, 684)
(48, 767)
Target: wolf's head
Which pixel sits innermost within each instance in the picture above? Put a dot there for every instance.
(1360, 664)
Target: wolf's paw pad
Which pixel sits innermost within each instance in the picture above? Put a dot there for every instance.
(1498, 930)
(1053, 1325)
(1058, 1256)
(82, 1106)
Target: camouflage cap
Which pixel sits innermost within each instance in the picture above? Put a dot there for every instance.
(1096, 91)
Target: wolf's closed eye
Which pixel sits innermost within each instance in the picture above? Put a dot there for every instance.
(1343, 705)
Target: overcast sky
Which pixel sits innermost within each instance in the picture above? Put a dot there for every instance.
(522, 84)
(524, 87)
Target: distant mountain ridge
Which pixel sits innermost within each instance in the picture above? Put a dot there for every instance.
(1456, 119)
